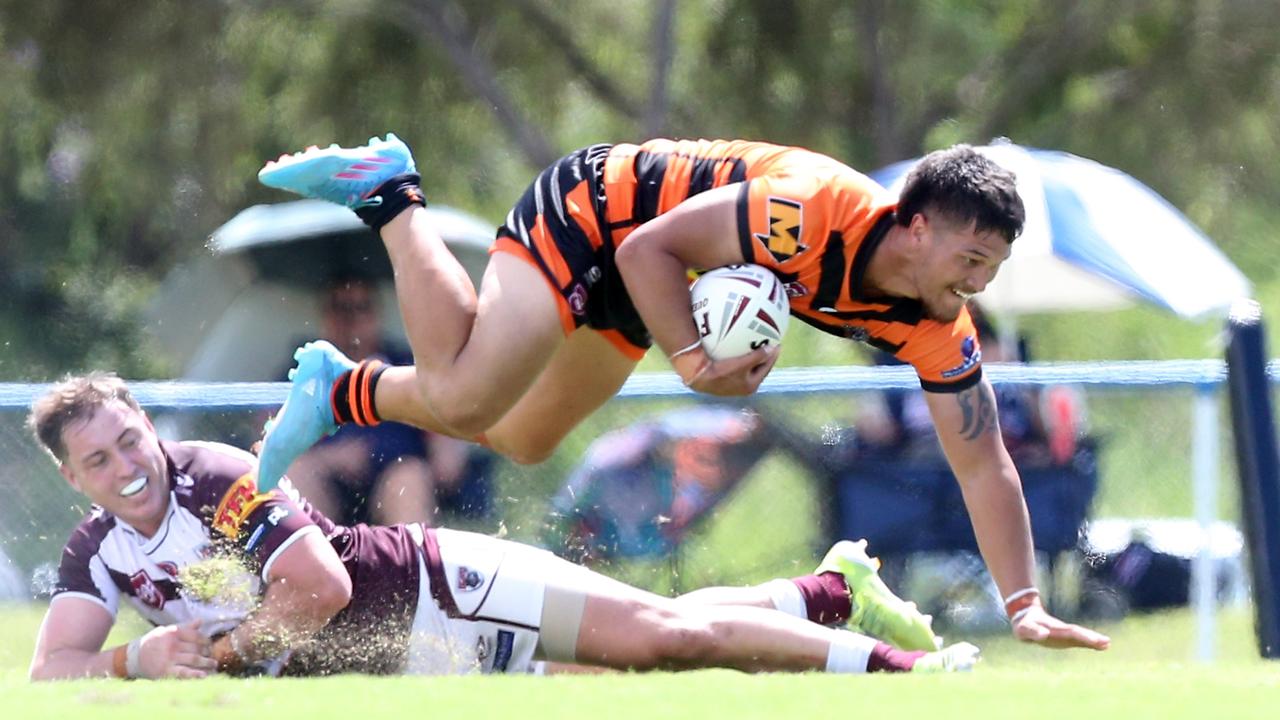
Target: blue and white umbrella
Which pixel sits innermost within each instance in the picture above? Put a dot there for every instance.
(1096, 238)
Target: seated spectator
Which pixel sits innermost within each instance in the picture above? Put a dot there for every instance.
(639, 489)
(1039, 426)
(893, 486)
(391, 473)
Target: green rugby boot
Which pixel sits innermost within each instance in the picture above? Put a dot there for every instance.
(875, 609)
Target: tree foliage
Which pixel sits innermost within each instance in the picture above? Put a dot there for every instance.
(128, 135)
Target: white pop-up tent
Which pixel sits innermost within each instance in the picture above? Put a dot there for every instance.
(258, 291)
(1095, 238)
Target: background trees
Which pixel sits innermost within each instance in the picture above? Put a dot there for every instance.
(126, 136)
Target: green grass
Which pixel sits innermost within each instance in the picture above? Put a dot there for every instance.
(768, 529)
(1148, 673)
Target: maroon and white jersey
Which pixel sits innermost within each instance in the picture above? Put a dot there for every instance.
(215, 508)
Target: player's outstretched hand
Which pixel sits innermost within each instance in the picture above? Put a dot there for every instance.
(734, 376)
(180, 651)
(1036, 625)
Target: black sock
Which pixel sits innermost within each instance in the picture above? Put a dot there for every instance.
(352, 398)
(397, 194)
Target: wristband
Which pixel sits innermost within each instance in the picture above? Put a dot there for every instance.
(1013, 619)
(686, 349)
(1017, 604)
(682, 368)
(133, 660)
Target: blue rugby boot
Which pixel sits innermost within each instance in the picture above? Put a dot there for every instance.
(875, 609)
(377, 180)
(307, 414)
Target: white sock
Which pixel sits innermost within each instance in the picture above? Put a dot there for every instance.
(787, 598)
(850, 653)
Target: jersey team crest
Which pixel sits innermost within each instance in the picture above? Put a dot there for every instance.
(785, 220)
(146, 590)
(241, 499)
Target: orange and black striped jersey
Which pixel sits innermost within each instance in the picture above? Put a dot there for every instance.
(812, 220)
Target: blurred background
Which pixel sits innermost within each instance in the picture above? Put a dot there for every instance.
(130, 137)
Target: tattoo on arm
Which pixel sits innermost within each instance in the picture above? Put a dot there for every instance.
(979, 411)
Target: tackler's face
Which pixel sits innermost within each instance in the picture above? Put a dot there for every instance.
(955, 263)
(114, 459)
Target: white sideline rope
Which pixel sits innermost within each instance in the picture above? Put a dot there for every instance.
(783, 381)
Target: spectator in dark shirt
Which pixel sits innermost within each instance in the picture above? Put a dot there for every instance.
(1038, 426)
(391, 473)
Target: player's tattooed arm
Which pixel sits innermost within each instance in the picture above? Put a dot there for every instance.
(977, 411)
(969, 428)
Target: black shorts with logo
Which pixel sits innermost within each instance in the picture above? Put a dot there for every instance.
(560, 225)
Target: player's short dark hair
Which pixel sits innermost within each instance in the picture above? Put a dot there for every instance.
(965, 186)
(75, 397)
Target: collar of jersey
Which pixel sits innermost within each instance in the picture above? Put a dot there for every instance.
(862, 258)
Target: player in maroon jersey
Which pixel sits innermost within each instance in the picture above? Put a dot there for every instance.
(307, 597)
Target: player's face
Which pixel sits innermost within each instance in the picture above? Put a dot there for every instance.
(957, 262)
(114, 459)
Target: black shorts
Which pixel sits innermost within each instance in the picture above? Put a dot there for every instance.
(559, 225)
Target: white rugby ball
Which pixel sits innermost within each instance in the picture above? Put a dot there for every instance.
(739, 308)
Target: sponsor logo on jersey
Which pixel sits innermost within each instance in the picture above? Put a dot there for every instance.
(502, 653)
(972, 356)
(578, 300)
(252, 543)
(291, 492)
(469, 579)
(242, 498)
(145, 589)
(786, 218)
(277, 514)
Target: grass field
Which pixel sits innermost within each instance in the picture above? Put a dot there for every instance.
(769, 528)
(1147, 674)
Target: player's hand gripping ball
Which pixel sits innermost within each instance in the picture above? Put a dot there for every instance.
(739, 308)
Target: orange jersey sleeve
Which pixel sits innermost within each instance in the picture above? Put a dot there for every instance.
(947, 356)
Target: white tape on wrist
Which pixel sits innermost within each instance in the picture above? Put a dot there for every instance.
(686, 349)
(1021, 593)
(133, 659)
(1019, 615)
(1020, 603)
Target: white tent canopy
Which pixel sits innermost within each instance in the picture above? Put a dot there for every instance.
(1096, 238)
(237, 312)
